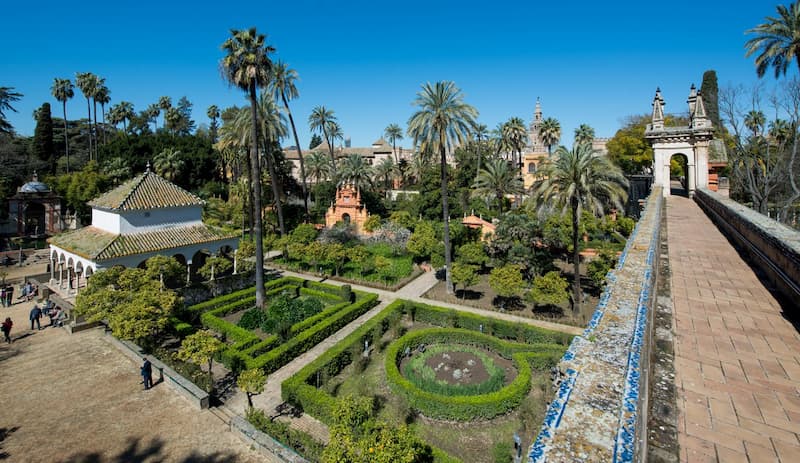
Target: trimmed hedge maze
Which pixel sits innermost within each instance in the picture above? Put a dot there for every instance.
(246, 350)
(529, 347)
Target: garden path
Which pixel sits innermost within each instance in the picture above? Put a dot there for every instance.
(270, 400)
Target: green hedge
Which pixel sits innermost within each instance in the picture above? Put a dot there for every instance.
(197, 309)
(300, 389)
(468, 407)
(180, 327)
(320, 294)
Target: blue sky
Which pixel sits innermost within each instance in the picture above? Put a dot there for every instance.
(589, 62)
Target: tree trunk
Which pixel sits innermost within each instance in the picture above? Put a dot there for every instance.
(276, 190)
(478, 170)
(255, 168)
(300, 155)
(66, 133)
(576, 261)
(96, 151)
(103, 112)
(446, 216)
(250, 399)
(89, 110)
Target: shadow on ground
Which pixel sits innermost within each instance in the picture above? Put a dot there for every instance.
(138, 451)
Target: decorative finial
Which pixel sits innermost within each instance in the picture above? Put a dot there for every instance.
(147, 169)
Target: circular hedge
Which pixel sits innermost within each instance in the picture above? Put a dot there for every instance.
(424, 377)
(460, 407)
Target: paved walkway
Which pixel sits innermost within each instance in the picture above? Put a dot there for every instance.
(737, 359)
(76, 398)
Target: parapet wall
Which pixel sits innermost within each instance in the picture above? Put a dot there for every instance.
(774, 247)
(598, 413)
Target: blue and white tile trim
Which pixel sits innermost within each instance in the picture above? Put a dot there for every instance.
(594, 414)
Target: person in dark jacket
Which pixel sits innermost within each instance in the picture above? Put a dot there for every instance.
(35, 316)
(147, 374)
(7, 324)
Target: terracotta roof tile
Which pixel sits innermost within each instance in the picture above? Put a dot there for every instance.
(93, 243)
(147, 191)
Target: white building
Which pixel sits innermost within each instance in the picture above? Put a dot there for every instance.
(144, 217)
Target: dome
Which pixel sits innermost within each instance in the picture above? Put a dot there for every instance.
(34, 187)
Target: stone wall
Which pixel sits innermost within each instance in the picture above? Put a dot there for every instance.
(773, 247)
(206, 290)
(601, 384)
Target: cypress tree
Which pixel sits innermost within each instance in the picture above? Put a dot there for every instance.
(43, 137)
(710, 92)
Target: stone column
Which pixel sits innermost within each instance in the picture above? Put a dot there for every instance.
(60, 274)
(52, 269)
(235, 261)
(691, 177)
(188, 273)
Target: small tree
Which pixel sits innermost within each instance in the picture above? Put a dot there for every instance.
(599, 267)
(200, 348)
(549, 289)
(466, 275)
(472, 253)
(373, 223)
(359, 256)
(506, 281)
(215, 266)
(384, 267)
(252, 383)
(165, 269)
(423, 241)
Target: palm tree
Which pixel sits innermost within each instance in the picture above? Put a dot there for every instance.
(86, 82)
(98, 84)
(393, 132)
(755, 121)
(272, 128)
(384, 171)
(780, 131)
(419, 163)
(584, 134)
(126, 113)
(283, 87)
(777, 41)
(355, 171)
(319, 166)
(164, 104)
(575, 180)
(153, 111)
(63, 90)
(247, 65)
(550, 133)
(7, 96)
(497, 180)
(213, 113)
(481, 133)
(102, 96)
(168, 163)
(515, 137)
(319, 122)
(442, 122)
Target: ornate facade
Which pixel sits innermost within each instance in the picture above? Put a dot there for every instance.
(347, 209)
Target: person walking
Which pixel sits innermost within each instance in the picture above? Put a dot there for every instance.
(9, 295)
(35, 316)
(147, 374)
(7, 324)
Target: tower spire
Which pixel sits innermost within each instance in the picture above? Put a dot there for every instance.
(657, 119)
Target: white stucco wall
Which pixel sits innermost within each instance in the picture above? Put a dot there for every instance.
(107, 221)
(144, 221)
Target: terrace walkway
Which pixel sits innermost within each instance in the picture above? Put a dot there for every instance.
(270, 399)
(737, 359)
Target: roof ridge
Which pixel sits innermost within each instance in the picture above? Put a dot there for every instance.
(133, 189)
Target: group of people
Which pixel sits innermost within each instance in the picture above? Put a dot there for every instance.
(28, 291)
(56, 314)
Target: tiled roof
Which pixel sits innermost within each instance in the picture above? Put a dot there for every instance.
(95, 244)
(145, 192)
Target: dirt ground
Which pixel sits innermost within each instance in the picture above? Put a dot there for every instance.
(75, 398)
(482, 297)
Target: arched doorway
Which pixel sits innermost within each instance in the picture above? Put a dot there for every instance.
(34, 219)
(678, 174)
(346, 219)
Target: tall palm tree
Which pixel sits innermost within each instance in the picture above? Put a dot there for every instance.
(442, 122)
(283, 87)
(86, 82)
(355, 171)
(103, 96)
(584, 134)
(516, 137)
(168, 163)
(777, 41)
(153, 111)
(755, 122)
(383, 171)
(481, 133)
(213, 113)
(393, 132)
(496, 180)
(319, 122)
(63, 90)
(126, 113)
(574, 180)
(98, 84)
(780, 131)
(550, 133)
(319, 166)
(272, 128)
(247, 65)
(7, 96)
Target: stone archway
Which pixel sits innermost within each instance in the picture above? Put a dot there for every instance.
(691, 141)
(681, 177)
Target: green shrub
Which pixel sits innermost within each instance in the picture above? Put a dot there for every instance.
(252, 319)
(300, 441)
(503, 452)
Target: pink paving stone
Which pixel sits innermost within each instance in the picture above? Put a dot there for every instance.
(723, 313)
